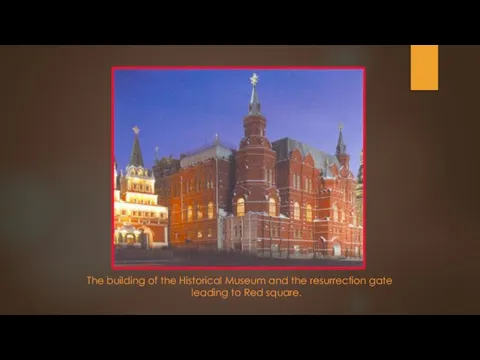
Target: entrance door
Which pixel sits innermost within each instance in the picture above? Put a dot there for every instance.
(357, 252)
(337, 250)
(130, 239)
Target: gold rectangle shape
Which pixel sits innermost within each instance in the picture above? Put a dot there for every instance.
(424, 67)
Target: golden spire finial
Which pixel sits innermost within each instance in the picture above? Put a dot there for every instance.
(136, 130)
(254, 79)
(340, 126)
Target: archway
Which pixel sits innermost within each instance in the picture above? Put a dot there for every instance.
(127, 234)
(130, 239)
(337, 249)
(357, 251)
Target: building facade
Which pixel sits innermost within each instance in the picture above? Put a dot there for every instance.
(197, 195)
(138, 219)
(281, 198)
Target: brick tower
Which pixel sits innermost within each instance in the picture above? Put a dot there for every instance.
(255, 189)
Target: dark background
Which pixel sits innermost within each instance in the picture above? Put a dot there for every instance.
(422, 198)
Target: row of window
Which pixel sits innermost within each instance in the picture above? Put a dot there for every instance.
(142, 201)
(194, 212)
(297, 233)
(138, 172)
(199, 183)
(136, 213)
(199, 234)
(139, 187)
(195, 184)
(272, 211)
(308, 186)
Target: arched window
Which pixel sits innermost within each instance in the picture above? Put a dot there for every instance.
(296, 211)
(240, 207)
(199, 213)
(306, 185)
(342, 216)
(272, 207)
(189, 213)
(210, 210)
(335, 212)
(354, 218)
(308, 214)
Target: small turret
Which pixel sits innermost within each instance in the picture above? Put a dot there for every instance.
(341, 151)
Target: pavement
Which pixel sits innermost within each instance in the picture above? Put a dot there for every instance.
(167, 257)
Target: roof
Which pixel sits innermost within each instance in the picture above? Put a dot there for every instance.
(285, 146)
(136, 158)
(215, 150)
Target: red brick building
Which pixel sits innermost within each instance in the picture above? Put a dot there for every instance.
(193, 197)
(280, 198)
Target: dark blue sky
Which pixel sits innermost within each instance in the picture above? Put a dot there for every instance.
(181, 110)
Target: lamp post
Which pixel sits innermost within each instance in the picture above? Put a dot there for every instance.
(288, 240)
(350, 252)
(168, 202)
(271, 237)
(181, 199)
(263, 239)
(280, 241)
(217, 208)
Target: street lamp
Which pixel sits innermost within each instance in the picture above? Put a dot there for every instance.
(288, 241)
(271, 238)
(280, 241)
(168, 202)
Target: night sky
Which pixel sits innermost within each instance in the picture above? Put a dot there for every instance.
(181, 110)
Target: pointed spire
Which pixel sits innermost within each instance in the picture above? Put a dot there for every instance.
(136, 158)
(341, 147)
(216, 139)
(254, 107)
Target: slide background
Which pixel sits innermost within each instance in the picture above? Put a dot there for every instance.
(422, 208)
